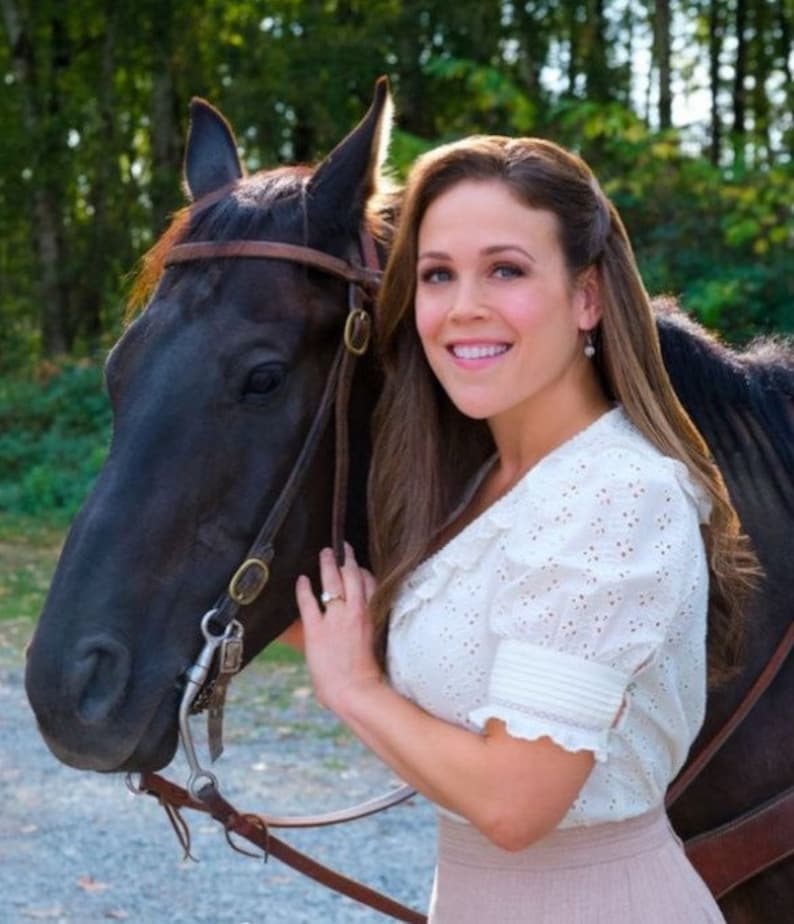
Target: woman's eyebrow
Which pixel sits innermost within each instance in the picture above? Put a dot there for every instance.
(486, 251)
(499, 248)
(433, 255)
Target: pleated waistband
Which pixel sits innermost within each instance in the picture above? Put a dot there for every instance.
(460, 843)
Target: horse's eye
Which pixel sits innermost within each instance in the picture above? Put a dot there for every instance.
(262, 382)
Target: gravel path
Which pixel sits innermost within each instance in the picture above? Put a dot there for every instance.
(78, 848)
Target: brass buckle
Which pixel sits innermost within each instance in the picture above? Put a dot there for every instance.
(357, 331)
(244, 597)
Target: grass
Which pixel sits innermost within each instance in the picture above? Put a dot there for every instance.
(29, 549)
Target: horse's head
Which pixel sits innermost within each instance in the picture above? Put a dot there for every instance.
(214, 388)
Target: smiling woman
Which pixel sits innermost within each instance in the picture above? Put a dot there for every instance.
(540, 614)
(501, 322)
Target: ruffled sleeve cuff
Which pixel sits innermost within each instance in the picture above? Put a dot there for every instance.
(539, 692)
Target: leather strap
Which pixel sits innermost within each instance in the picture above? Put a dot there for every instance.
(262, 548)
(735, 852)
(367, 276)
(696, 766)
(363, 281)
(255, 828)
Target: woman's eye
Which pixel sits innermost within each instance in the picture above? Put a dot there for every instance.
(507, 271)
(263, 382)
(436, 274)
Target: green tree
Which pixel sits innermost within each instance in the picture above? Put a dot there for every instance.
(97, 91)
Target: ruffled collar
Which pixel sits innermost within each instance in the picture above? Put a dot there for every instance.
(466, 548)
(469, 546)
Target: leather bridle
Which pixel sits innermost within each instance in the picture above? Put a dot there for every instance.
(250, 578)
(221, 657)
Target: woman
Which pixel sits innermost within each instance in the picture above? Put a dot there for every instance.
(548, 534)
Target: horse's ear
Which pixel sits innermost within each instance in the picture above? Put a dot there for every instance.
(211, 159)
(351, 173)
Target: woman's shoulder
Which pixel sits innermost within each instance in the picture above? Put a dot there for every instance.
(612, 458)
(613, 437)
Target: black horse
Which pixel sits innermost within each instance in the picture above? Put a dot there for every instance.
(213, 388)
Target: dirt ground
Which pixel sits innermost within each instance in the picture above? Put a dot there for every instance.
(78, 848)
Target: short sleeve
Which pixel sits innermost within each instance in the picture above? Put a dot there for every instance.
(597, 565)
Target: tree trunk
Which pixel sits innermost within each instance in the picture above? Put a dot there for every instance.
(597, 76)
(574, 41)
(165, 137)
(661, 44)
(761, 67)
(739, 90)
(166, 155)
(105, 172)
(47, 224)
(784, 54)
(716, 31)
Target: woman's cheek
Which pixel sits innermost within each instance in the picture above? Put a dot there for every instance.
(429, 319)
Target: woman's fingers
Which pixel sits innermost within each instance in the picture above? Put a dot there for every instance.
(338, 634)
(353, 577)
(330, 576)
(369, 584)
(307, 602)
(349, 585)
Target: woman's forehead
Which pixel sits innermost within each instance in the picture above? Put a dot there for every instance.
(482, 209)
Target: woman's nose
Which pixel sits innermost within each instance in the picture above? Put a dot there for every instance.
(467, 302)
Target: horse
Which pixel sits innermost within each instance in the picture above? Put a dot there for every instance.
(214, 386)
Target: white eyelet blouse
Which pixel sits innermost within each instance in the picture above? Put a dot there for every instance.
(575, 608)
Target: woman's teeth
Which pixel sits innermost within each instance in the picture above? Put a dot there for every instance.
(479, 351)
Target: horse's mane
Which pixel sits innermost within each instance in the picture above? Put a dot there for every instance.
(244, 211)
(767, 362)
(733, 389)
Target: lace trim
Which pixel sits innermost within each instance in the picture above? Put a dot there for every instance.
(547, 715)
(520, 723)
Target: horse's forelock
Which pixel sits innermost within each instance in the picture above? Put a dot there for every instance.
(151, 265)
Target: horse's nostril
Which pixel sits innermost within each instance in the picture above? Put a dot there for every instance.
(98, 678)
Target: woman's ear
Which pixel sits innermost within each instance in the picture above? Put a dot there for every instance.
(588, 302)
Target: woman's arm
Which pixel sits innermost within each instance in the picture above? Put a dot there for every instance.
(513, 790)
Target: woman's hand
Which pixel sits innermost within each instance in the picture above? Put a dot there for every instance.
(513, 790)
(338, 640)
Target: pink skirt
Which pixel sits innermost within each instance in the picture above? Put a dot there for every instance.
(626, 872)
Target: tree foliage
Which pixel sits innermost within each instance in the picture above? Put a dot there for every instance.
(95, 105)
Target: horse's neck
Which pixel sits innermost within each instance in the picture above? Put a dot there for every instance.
(745, 412)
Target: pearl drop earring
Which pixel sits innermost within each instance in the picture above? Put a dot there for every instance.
(589, 349)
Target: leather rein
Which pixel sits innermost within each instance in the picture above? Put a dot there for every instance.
(221, 657)
(721, 855)
(761, 837)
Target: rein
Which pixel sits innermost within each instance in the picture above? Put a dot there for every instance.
(762, 837)
(223, 632)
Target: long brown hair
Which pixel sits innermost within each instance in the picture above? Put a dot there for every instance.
(425, 450)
